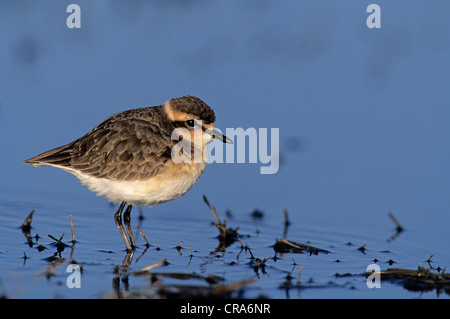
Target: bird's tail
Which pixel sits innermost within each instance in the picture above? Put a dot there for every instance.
(58, 156)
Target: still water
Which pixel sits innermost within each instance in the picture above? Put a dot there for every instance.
(39, 270)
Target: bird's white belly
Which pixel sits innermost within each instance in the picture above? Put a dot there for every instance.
(154, 191)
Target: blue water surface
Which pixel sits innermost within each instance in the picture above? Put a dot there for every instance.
(363, 117)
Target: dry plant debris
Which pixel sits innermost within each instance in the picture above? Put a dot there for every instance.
(420, 279)
(227, 236)
(282, 246)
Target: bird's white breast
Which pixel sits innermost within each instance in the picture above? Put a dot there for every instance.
(157, 190)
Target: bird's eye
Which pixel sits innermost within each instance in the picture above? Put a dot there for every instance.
(190, 123)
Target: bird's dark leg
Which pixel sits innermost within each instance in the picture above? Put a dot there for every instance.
(118, 220)
(127, 219)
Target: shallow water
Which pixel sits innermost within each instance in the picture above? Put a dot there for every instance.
(363, 130)
(28, 272)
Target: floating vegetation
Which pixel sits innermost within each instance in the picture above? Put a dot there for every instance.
(282, 246)
(204, 282)
(420, 279)
(213, 286)
(227, 236)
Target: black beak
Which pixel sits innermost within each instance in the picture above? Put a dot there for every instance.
(219, 136)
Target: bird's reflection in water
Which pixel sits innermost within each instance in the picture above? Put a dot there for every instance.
(121, 277)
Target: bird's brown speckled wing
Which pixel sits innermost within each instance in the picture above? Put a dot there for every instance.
(134, 145)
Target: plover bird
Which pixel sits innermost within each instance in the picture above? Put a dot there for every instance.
(129, 157)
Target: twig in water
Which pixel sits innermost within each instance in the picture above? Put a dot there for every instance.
(363, 249)
(240, 241)
(242, 247)
(147, 244)
(178, 247)
(59, 244)
(286, 217)
(429, 261)
(57, 240)
(399, 227)
(26, 228)
(248, 248)
(159, 263)
(212, 209)
(26, 225)
(286, 223)
(73, 231)
(226, 235)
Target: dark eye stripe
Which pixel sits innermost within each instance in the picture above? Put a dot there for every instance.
(183, 124)
(179, 123)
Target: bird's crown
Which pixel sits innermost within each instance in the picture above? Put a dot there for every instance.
(189, 107)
